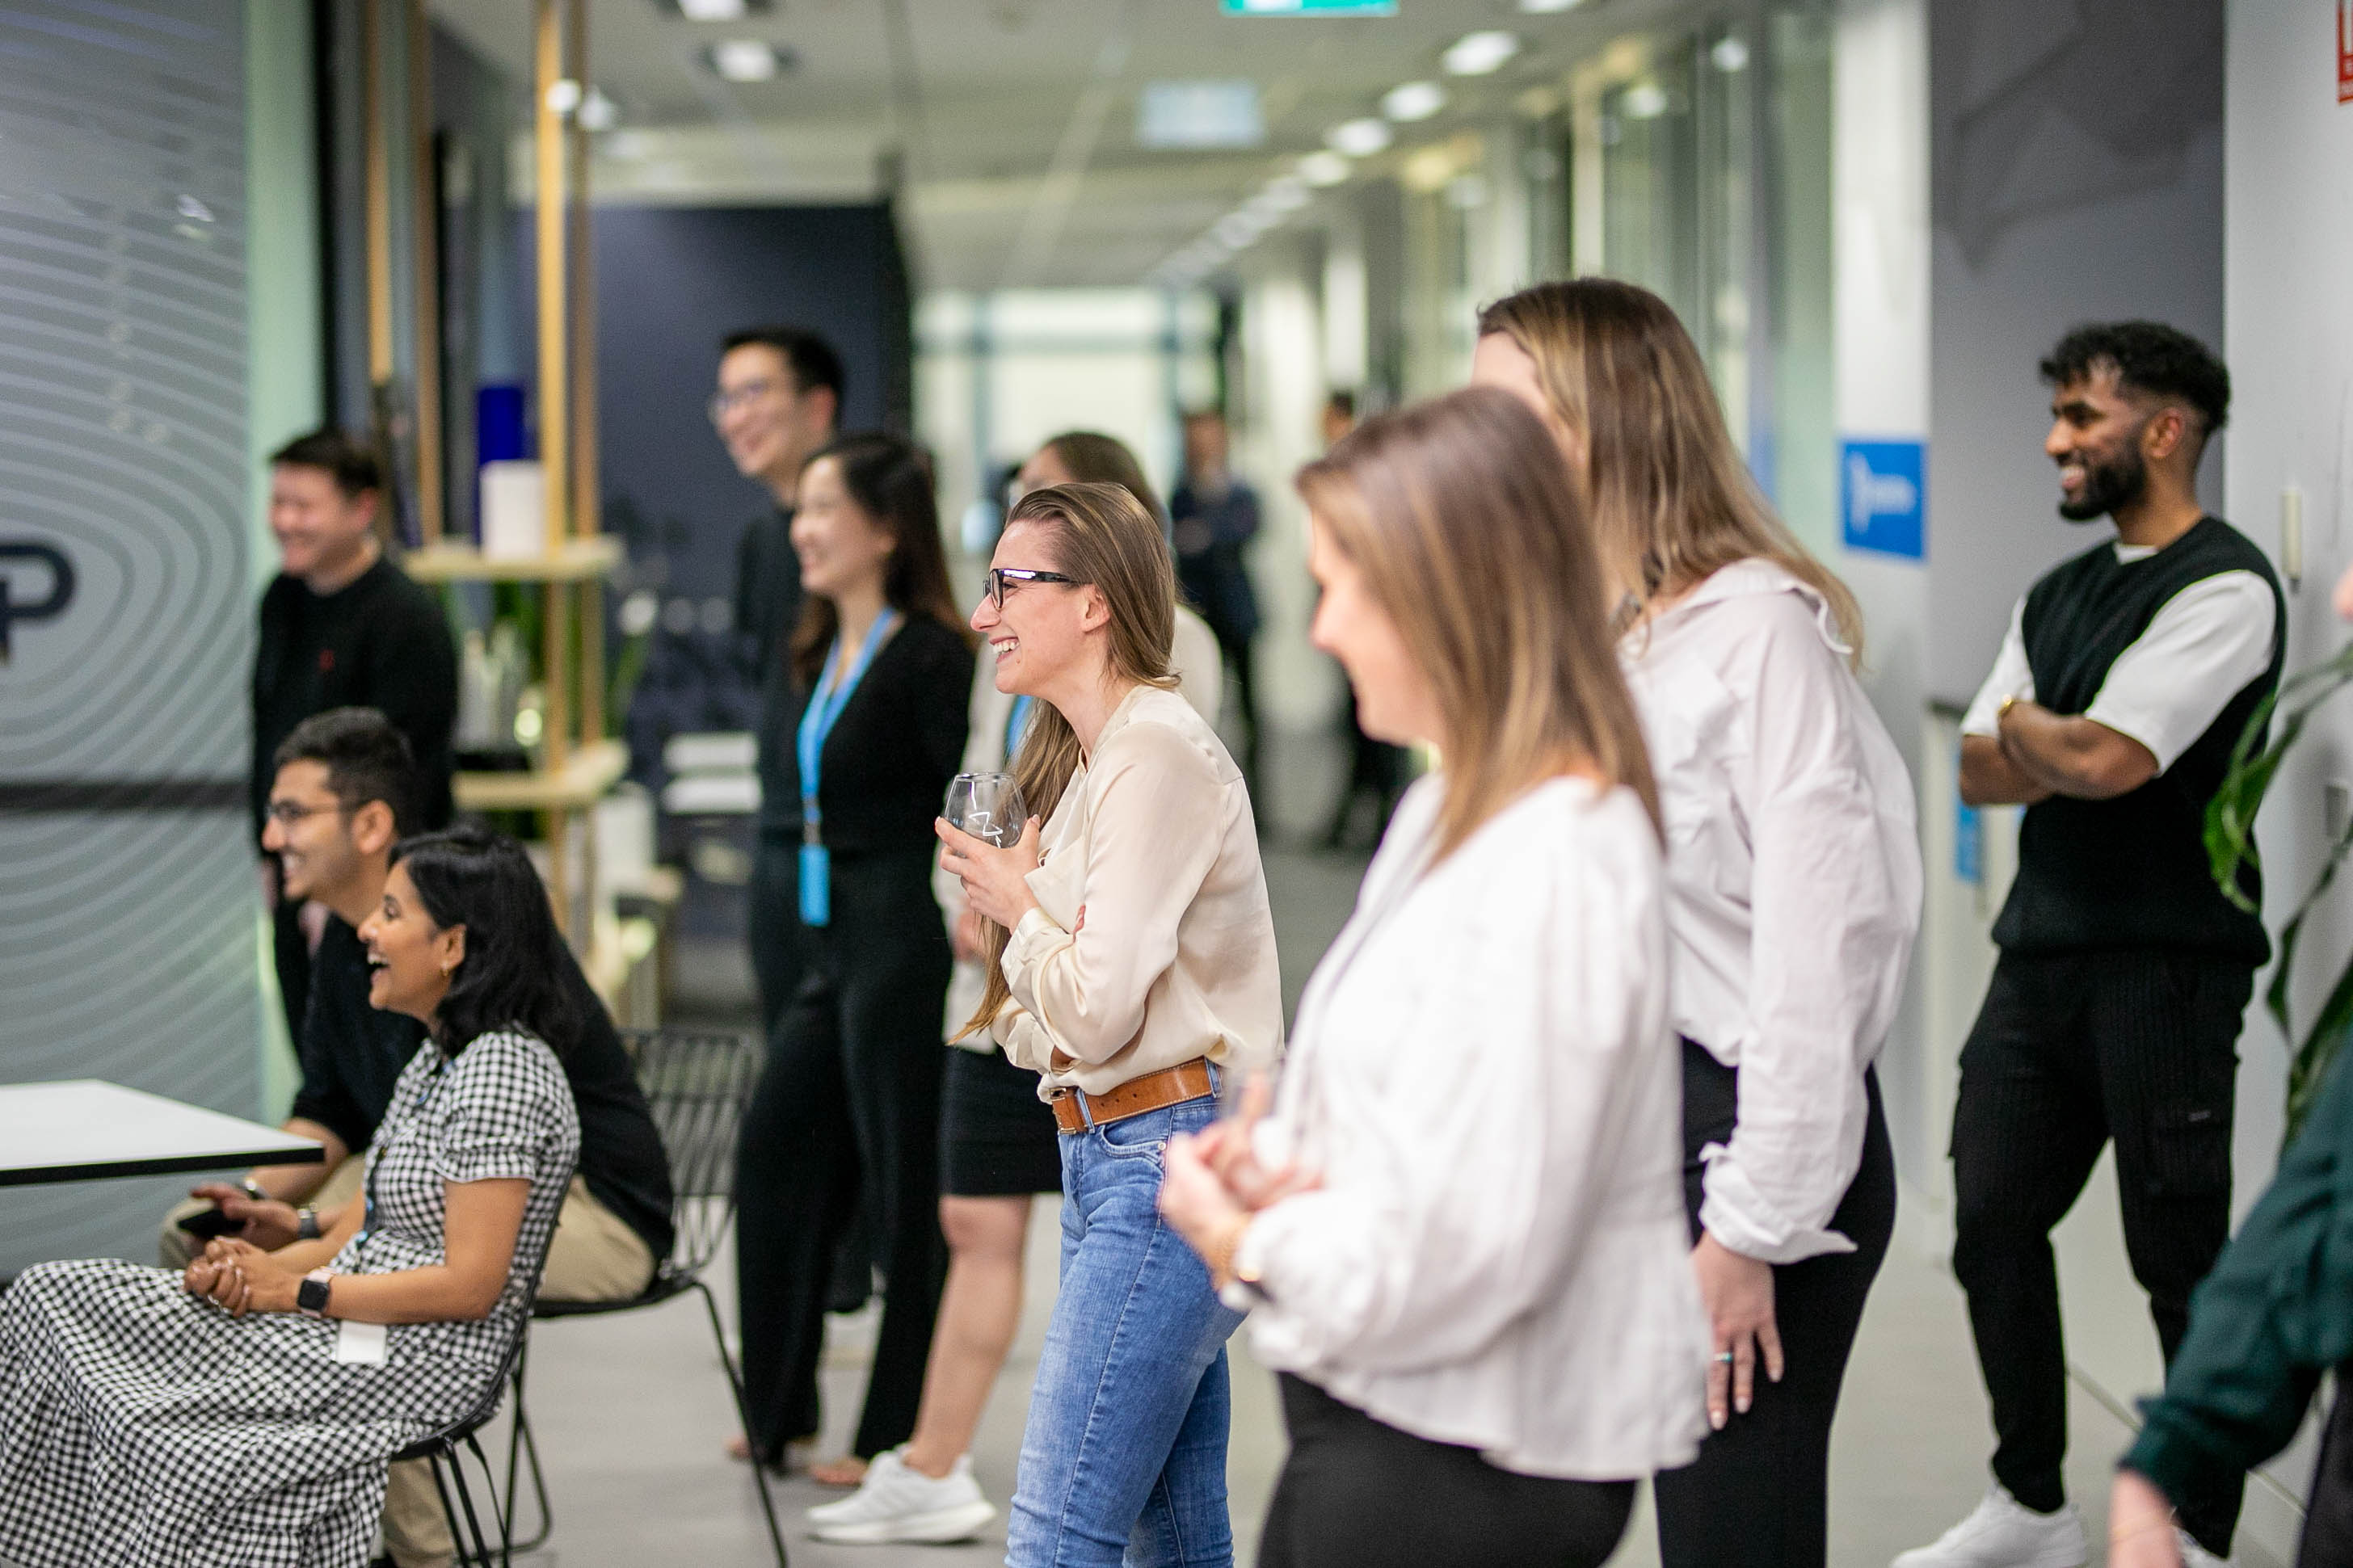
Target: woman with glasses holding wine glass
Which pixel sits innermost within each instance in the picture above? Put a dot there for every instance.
(1133, 963)
(998, 1145)
(847, 1110)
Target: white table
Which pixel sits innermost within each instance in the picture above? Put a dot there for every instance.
(82, 1127)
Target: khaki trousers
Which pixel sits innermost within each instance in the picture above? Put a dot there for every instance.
(594, 1256)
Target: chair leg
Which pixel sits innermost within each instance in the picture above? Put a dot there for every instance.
(522, 1445)
(742, 1414)
(473, 1547)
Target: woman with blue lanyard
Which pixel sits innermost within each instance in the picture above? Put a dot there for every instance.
(847, 1110)
(997, 1143)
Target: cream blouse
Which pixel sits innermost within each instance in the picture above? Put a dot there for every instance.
(1155, 840)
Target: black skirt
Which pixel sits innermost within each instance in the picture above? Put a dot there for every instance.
(997, 1139)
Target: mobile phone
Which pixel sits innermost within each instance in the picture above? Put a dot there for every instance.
(206, 1224)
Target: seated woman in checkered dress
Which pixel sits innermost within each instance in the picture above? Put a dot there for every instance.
(213, 1418)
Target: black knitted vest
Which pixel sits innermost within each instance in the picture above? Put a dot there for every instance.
(2132, 872)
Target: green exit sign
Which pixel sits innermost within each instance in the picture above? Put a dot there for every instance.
(1309, 7)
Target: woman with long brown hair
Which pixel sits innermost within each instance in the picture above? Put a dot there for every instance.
(1468, 1263)
(1794, 875)
(1132, 962)
(847, 1110)
(998, 1146)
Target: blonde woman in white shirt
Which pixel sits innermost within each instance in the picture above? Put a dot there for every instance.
(1794, 873)
(1469, 1256)
(1134, 961)
(998, 1145)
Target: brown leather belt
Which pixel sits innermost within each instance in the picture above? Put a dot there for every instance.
(1075, 1111)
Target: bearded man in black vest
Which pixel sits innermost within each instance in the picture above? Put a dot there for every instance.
(2128, 674)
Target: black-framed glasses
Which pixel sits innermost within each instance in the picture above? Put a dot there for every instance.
(287, 813)
(749, 392)
(1003, 578)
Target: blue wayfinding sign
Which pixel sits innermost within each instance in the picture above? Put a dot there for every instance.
(1308, 7)
(1883, 496)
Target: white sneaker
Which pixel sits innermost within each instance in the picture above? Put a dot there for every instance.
(2002, 1533)
(896, 1503)
(2194, 1555)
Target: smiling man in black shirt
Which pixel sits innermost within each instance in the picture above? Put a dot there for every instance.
(343, 627)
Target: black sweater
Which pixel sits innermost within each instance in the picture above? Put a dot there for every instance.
(352, 1056)
(380, 642)
(888, 762)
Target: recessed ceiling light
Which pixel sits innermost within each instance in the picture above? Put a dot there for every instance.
(1549, 7)
(1358, 138)
(750, 59)
(1326, 168)
(598, 112)
(1644, 101)
(1730, 54)
(719, 10)
(1413, 100)
(1478, 54)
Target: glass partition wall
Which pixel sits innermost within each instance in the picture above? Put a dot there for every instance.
(1698, 166)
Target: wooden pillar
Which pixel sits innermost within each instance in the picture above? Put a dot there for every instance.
(555, 330)
(377, 155)
(585, 490)
(425, 186)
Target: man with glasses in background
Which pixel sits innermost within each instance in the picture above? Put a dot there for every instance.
(779, 399)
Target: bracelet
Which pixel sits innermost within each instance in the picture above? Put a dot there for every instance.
(2118, 1537)
(2002, 711)
(1220, 1253)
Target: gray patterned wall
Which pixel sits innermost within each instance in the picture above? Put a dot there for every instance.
(127, 885)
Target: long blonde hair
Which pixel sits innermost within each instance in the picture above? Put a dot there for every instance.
(1672, 501)
(1101, 535)
(1470, 535)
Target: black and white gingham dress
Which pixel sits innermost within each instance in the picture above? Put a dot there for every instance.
(143, 1426)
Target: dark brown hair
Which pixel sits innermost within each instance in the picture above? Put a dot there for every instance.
(890, 478)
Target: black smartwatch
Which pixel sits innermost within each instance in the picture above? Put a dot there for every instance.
(310, 1296)
(306, 1224)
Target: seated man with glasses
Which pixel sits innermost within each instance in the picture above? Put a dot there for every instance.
(345, 788)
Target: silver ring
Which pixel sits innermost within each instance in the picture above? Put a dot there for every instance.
(1725, 1357)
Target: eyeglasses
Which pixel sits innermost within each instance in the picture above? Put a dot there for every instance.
(751, 391)
(1002, 579)
(287, 813)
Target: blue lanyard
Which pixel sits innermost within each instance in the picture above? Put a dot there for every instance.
(1017, 724)
(834, 689)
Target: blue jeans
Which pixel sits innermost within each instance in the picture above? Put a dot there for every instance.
(1123, 1459)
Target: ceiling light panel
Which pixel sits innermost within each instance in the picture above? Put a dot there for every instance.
(1358, 138)
(1549, 7)
(1324, 168)
(1188, 114)
(718, 10)
(748, 60)
(1413, 100)
(1480, 54)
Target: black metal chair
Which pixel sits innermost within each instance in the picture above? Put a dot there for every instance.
(446, 1451)
(698, 1085)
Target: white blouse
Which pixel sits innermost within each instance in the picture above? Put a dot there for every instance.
(1484, 1077)
(1795, 872)
(1154, 841)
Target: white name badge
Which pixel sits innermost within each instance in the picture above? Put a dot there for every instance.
(363, 1345)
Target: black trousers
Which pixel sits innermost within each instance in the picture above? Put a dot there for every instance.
(291, 953)
(2069, 1051)
(773, 928)
(1238, 653)
(1357, 1494)
(847, 1116)
(1758, 1495)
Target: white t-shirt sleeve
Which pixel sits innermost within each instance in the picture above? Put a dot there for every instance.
(2011, 678)
(2201, 650)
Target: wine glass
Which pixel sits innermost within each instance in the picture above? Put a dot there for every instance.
(988, 806)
